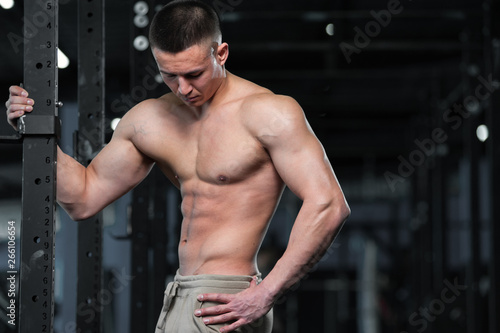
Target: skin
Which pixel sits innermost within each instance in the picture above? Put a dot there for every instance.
(230, 146)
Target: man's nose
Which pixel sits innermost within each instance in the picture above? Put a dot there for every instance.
(184, 86)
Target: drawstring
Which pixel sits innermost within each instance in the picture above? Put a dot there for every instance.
(170, 293)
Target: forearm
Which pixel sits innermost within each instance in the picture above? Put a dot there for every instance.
(71, 179)
(314, 231)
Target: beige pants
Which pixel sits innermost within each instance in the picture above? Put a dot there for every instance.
(179, 304)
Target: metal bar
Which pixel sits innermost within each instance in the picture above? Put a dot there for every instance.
(148, 218)
(436, 194)
(36, 306)
(472, 152)
(494, 264)
(473, 267)
(140, 257)
(159, 241)
(321, 46)
(90, 140)
(423, 243)
(16, 138)
(367, 294)
(491, 33)
(437, 225)
(494, 226)
(327, 16)
(140, 218)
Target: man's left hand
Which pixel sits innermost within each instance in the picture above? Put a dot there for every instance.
(240, 309)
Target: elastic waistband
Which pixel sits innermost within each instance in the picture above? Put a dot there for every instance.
(213, 280)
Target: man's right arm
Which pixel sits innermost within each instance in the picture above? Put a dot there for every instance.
(81, 191)
(118, 168)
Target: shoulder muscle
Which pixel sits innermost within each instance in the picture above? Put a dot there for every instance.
(270, 116)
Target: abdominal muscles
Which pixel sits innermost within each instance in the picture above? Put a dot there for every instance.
(223, 225)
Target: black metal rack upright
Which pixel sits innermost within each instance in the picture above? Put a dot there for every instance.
(39, 130)
(492, 64)
(148, 219)
(89, 140)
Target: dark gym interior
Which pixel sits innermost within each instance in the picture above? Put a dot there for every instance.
(403, 95)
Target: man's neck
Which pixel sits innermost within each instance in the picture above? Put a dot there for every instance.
(219, 94)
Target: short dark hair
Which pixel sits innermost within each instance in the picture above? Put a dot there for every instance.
(183, 23)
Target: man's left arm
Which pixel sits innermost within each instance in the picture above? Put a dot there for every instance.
(301, 162)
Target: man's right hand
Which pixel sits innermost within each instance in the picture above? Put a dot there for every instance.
(17, 105)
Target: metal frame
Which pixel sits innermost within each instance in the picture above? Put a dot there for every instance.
(473, 156)
(492, 54)
(149, 202)
(159, 241)
(140, 238)
(89, 140)
(36, 306)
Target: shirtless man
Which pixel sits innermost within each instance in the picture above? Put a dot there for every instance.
(230, 146)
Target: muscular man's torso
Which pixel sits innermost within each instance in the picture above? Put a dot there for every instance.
(228, 184)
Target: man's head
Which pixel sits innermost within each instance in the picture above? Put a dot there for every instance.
(186, 41)
(182, 24)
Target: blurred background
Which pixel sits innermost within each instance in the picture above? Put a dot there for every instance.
(403, 96)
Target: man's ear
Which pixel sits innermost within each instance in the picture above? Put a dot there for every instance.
(222, 53)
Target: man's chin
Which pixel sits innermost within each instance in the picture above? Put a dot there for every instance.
(194, 101)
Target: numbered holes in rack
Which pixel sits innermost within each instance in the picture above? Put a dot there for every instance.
(38, 181)
(48, 64)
